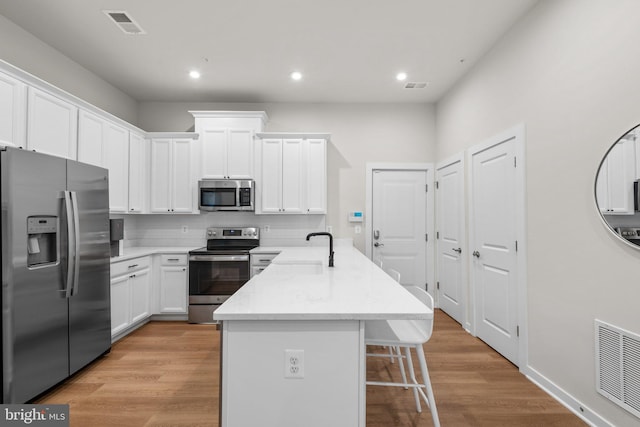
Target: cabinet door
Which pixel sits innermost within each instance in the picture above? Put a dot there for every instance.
(116, 148)
(316, 176)
(182, 181)
(214, 153)
(240, 154)
(90, 138)
(271, 160)
(120, 304)
(621, 174)
(137, 168)
(173, 289)
(52, 125)
(139, 284)
(292, 176)
(161, 171)
(13, 111)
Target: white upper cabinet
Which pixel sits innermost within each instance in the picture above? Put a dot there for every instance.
(172, 182)
(116, 149)
(13, 104)
(227, 142)
(106, 144)
(292, 175)
(316, 176)
(52, 124)
(614, 189)
(137, 172)
(90, 138)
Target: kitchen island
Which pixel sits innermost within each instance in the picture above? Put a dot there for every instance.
(293, 350)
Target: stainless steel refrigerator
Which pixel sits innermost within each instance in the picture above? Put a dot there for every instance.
(56, 312)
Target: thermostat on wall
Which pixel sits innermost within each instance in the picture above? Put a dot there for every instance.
(355, 216)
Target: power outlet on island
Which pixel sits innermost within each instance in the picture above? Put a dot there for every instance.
(294, 364)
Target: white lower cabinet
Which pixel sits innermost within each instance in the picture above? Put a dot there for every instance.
(173, 284)
(130, 293)
(260, 261)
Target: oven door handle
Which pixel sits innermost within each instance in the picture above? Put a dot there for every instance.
(209, 258)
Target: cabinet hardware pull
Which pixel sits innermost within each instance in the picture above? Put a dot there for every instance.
(476, 254)
(173, 259)
(459, 250)
(134, 265)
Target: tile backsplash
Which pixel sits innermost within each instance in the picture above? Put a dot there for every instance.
(190, 230)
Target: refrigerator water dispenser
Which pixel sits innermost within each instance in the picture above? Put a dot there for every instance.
(42, 240)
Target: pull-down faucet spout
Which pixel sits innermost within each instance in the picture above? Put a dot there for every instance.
(322, 233)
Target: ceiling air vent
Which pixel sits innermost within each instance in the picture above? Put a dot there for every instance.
(125, 22)
(415, 85)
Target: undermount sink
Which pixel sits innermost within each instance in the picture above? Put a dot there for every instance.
(299, 267)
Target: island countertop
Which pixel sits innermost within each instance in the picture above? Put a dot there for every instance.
(299, 285)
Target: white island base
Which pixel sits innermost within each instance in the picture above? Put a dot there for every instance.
(260, 390)
(293, 352)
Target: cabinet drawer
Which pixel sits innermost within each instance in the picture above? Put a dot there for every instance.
(129, 266)
(257, 270)
(262, 259)
(174, 259)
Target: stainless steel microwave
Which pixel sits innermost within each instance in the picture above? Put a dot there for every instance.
(226, 195)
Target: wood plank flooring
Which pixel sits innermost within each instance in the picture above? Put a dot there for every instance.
(167, 374)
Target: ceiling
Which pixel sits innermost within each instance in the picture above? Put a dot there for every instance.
(245, 50)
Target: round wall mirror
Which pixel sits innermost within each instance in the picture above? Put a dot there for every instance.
(617, 188)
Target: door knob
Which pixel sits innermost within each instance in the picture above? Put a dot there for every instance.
(459, 250)
(376, 244)
(476, 254)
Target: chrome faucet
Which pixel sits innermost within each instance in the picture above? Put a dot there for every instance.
(322, 233)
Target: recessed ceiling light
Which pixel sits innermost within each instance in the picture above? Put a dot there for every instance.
(296, 75)
(194, 74)
(401, 76)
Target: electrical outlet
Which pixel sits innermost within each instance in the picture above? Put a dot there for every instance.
(185, 229)
(329, 229)
(266, 228)
(358, 229)
(294, 364)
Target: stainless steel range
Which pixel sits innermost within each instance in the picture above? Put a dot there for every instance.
(219, 269)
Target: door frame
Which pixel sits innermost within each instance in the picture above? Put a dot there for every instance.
(517, 133)
(422, 167)
(460, 157)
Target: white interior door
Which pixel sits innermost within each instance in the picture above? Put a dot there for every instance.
(399, 223)
(450, 230)
(493, 245)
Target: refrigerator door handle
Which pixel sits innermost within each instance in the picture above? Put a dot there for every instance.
(76, 242)
(71, 243)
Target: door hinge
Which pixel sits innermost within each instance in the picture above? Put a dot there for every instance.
(515, 162)
(437, 234)
(426, 237)
(438, 285)
(516, 246)
(437, 185)
(426, 287)
(426, 188)
(518, 330)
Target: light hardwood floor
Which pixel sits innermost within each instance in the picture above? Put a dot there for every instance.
(167, 374)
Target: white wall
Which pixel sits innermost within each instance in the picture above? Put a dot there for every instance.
(23, 50)
(571, 73)
(360, 133)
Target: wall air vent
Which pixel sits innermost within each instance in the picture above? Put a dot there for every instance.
(415, 85)
(124, 21)
(618, 366)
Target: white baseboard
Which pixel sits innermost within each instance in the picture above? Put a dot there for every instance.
(568, 401)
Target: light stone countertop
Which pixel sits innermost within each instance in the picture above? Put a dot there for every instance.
(135, 252)
(299, 285)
